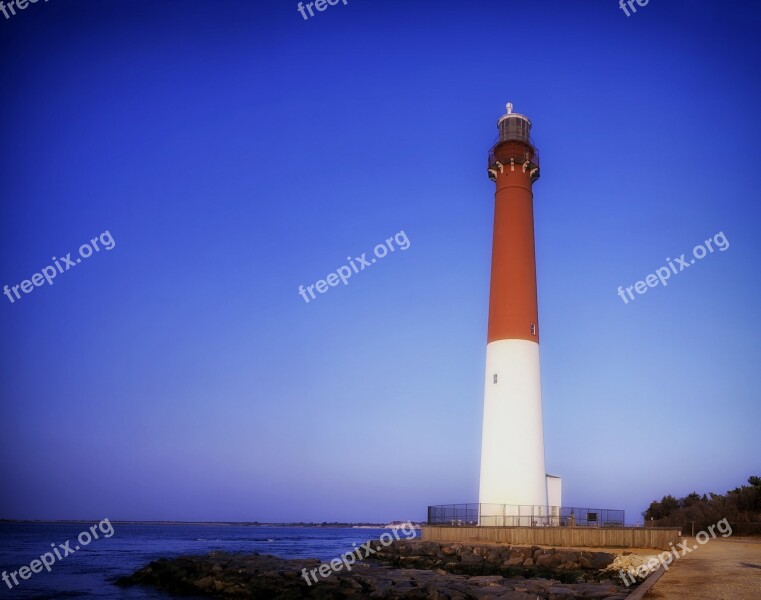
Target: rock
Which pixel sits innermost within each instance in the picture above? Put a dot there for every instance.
(429, 549)
(600, 560)
(205, 583)
(566, 556)
(471, 559)
(545, 560)
(485, 580)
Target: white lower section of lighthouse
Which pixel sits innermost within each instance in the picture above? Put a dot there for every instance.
(512, 452)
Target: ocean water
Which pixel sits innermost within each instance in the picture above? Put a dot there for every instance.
(91, 571)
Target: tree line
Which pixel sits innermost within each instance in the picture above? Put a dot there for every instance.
(740, 506)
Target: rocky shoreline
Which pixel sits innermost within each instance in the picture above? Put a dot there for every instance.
(404, 569)
(499, 559)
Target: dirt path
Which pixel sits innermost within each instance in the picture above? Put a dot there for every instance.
(722, 569)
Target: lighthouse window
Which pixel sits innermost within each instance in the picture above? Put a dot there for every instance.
(533, 328)
(495, 378)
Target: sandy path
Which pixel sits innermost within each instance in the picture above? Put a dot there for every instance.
(722, 569)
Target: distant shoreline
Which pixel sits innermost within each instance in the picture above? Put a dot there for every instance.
(203, 523)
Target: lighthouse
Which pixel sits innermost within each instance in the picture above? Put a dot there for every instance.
(512, 452)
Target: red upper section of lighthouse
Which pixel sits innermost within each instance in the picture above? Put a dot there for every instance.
(514, 166)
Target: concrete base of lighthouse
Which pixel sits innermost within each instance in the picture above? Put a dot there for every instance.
(512, 453)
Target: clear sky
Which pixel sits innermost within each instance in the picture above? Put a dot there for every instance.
(235, 151)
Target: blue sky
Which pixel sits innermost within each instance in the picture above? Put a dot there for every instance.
(235, 151)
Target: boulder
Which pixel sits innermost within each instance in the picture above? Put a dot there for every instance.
(600, 560)
(546, 561)
(560, 593)
(486, 580)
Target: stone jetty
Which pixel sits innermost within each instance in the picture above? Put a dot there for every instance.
(405, 569)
